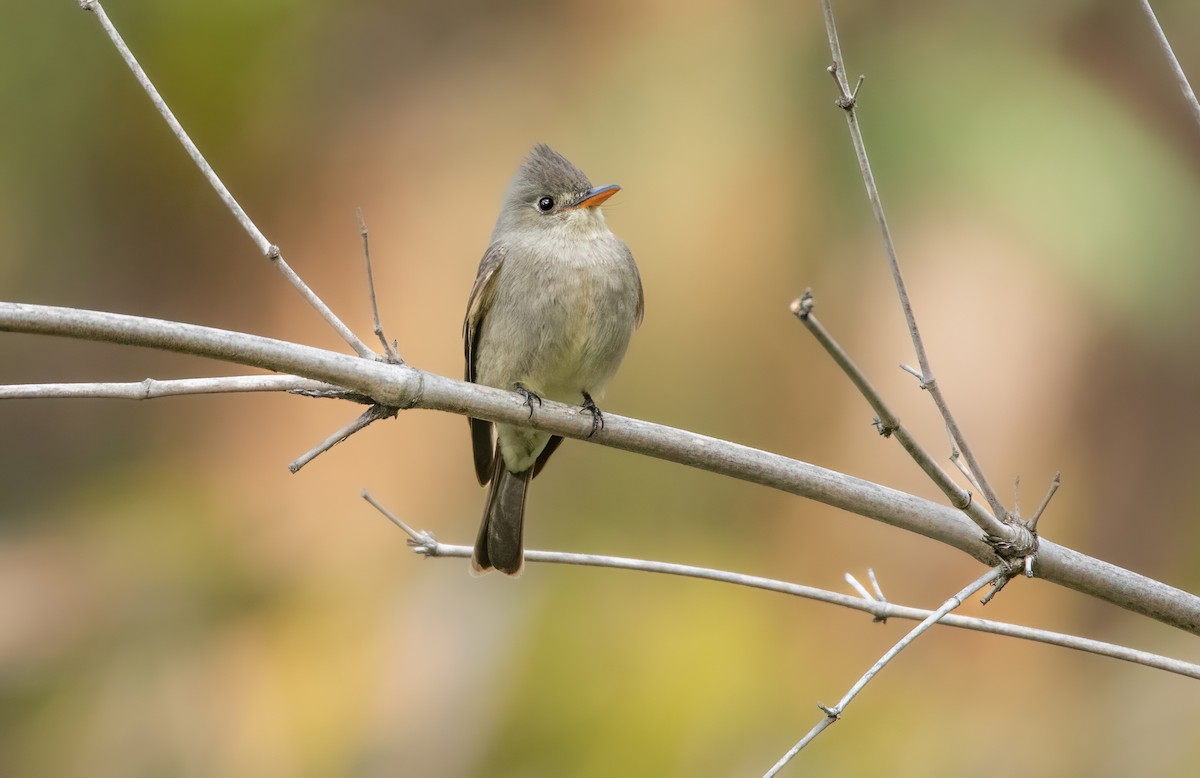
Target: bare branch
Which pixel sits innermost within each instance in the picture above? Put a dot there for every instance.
(880, 609)
(369, 416)
(401, 386)
(268, 249)
(1177, 69)
(152, 388)
(388, 348)
(847, 103)
(889, 425)
(960, 465)
(834, 714)
(875, 584)
(1054, 484)
(858, 587)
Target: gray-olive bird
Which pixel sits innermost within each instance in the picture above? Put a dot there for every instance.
(550, 315)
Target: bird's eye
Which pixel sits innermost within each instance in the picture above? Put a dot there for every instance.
(545, 204)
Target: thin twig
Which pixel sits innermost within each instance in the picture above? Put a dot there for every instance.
(889, 425)
(1054, 484)
(369, 416)
(152, 388)
(858, 587)
(1180, 77)
(388, 348)
(832, 715)
(997, 586)
(401, 386)
(267, 248)
(847, 103)
(875, 584)
(960, 465)
(425, 544)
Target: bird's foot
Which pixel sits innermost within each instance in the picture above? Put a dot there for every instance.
(589, 405)
(530, 397)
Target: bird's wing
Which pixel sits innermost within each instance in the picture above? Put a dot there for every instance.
(641, 305)
(477, 305)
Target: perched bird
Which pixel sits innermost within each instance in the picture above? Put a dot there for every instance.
(553, 306)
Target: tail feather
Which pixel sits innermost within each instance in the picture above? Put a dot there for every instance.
(499, 544)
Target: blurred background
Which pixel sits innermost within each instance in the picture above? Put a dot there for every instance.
(174, 602)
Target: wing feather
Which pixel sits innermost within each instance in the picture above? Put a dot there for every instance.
(482, 292)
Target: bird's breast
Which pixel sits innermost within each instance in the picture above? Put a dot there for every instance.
(573, 301)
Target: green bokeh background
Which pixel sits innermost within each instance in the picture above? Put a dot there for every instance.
(174, 603)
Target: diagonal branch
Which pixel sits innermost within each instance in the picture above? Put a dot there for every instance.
(847, 102)
(268, 249)
(368, 417)
(401, 386)
(889, 425)
(834, 714)
(1180, 77)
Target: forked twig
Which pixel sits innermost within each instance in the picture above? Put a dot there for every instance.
(847, 102)
(889, 425)
(268, 249)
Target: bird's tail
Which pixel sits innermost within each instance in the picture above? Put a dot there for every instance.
(498, 545)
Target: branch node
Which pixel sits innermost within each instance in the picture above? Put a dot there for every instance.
(833, 713)
(803, 305)
(912, 371)
(424, 544)
(273, 253)
(421, 541)
(884, 428)
(1016, 556)
(87, 5)
(1022, 543)
(846, 99)
(879, 611)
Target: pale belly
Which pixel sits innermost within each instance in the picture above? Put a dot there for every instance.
(559, 329)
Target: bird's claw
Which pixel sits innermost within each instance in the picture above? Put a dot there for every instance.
(589, 405)
(529, 396)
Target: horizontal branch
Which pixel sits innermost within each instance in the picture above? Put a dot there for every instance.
(426, 545)
(404, 387)
(881, 611)
(152, 388)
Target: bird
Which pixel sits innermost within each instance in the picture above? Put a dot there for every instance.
(550, 315)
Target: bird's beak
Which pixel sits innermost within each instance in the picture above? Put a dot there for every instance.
(598, 195)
